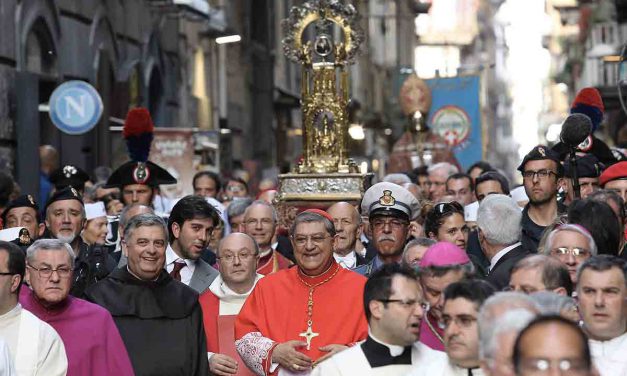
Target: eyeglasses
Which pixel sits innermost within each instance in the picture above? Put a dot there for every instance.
(230, 257)
(575, 251)
(8, 273)
(234, 188)
(380, 223)
(316, 239)
(46, 272)
(463, 321)
(408, 303)
(541, 174)
(543, 366)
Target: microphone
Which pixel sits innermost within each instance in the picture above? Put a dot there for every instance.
(575, 130)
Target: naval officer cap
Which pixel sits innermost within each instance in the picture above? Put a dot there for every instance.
(390, 199)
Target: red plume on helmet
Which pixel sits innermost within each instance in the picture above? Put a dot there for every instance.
(138, 133)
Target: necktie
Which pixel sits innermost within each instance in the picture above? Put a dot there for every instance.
(176, 271)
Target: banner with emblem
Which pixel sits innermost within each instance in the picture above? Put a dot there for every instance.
(455, 115)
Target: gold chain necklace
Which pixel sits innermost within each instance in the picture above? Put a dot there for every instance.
(309, 334)
(433, 330)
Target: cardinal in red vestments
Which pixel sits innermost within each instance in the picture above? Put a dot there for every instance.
(297, 317)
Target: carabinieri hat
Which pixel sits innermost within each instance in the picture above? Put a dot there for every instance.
(67, 193)
(588, 166)
(69, 175)
(20, 202)
(138, 133)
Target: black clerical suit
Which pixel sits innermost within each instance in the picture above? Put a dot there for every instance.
(160, 323)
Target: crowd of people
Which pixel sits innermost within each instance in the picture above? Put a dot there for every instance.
(434, 272)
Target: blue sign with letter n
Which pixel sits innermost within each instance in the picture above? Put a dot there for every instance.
(75, 107)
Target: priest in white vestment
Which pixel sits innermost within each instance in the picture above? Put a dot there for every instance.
(394, 307)
(602, 295)
(6, 362)
(238, 256)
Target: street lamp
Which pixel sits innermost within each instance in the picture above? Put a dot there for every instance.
(356, 131)
(229, 39)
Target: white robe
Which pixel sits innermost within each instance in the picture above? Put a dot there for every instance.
(231, 302)
(36, 349)
(443, 367)
(6, 362)
(610, 357)
(353, 362)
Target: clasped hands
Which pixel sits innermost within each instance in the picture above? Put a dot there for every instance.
(286, 354)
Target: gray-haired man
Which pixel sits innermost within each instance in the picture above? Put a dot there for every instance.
(498, 223)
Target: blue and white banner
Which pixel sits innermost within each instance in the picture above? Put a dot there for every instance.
(455, 115)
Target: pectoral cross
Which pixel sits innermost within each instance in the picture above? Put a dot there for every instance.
(309, 335)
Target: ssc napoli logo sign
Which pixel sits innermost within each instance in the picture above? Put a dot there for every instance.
(75, 107)
(452, 124)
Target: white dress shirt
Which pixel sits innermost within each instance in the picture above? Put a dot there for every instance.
(502, 253)
(187, 272)
(347, 262)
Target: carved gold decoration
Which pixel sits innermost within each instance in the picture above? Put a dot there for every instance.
(321, 187)
(323, 36)
(324, 95)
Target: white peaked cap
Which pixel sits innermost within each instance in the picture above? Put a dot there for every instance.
(95, 210)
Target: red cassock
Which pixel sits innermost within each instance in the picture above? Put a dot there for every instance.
(276, 312)
(273, 262)
(220, 331)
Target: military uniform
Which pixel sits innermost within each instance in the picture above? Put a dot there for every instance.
(387, 200)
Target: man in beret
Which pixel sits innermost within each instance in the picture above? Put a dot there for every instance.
(65, 219)
(69, 175)
(542, 171)
(23, 212)
(139, 178)
(390, 208)
(588, 171)
(614, 178)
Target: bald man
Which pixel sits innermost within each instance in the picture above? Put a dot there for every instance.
(347, 222)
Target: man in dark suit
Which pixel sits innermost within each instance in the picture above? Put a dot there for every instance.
(190, 227)
(499, 229)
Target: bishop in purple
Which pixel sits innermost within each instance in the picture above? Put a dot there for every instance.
(92, 341)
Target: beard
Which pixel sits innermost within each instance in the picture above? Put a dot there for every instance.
(542, 199)
(66, 238)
